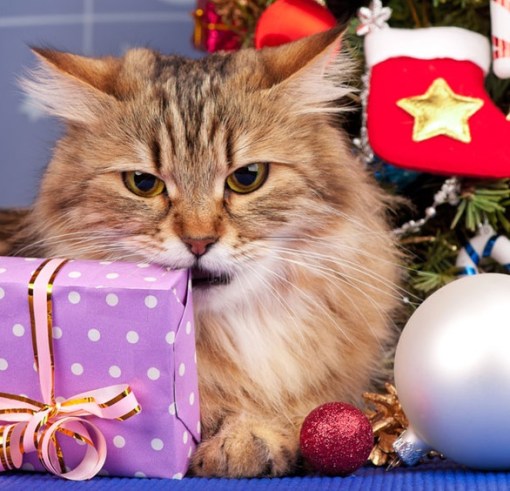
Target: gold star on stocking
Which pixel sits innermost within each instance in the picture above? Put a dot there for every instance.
(440, 111)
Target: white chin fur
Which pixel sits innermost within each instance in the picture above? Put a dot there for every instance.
(251, 284)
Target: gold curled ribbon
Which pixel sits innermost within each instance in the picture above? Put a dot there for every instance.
(32, 425)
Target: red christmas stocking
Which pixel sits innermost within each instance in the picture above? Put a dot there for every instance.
(427, 108)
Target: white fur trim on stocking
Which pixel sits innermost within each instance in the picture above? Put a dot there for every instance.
(427, 44)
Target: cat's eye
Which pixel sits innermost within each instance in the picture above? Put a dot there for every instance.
(248, 178)
(143, 184)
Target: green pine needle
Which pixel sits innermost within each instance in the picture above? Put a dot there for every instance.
(478, 205)
(429, 281)
(437, 266)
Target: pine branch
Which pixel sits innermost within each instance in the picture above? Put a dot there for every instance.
(480, 204)
(429, 281)
(436, 263)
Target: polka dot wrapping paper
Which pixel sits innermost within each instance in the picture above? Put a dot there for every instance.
(113, 323)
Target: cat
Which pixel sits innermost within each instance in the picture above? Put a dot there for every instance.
(233, 165)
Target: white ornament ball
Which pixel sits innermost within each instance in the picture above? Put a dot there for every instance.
(452, 374)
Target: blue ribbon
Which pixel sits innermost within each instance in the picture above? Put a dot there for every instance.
(475, 258)
(487, 250)
(472, 253)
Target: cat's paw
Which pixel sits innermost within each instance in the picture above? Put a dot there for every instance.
(247, 449)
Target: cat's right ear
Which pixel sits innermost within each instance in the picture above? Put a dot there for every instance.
(72, 87)
(312, 72)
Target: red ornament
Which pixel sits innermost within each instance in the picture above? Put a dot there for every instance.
(336, 438)
(288, 20)
(210, 33)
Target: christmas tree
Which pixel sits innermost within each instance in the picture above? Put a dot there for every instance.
(457, 215)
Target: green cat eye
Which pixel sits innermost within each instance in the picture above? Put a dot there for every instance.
(143, 184)
(248, 178)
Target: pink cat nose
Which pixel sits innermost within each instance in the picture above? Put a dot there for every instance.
(199, 246)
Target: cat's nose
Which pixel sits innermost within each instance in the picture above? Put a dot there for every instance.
(199, 246)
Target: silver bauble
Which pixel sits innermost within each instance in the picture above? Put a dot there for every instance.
(452, 373)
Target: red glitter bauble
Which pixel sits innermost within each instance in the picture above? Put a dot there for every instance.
(336, 439)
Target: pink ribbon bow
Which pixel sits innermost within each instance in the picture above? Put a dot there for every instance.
(33, 425)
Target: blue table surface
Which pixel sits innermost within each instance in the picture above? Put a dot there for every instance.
(439, 475)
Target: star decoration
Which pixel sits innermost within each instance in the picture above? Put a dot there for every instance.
(372, 17)
(440, 111)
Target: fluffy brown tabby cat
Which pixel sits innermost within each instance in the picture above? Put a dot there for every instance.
(232, 165)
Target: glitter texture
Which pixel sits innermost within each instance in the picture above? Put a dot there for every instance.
(336, 438)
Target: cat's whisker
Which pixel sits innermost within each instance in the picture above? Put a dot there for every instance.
(69, 237)
(329, 242)
(70, 242)
(78, 241)
(396, 265)
(311, 301)
(328, 211)
(263, 301)
(280, 299)
(339, 262)
(379, 283)
(324, 272)
(146, 247)
(335, 274)
(96, 251)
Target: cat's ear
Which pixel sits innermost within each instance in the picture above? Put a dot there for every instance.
(72, 87)
(314, 71)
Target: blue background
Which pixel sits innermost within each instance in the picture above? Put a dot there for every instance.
(89, 27)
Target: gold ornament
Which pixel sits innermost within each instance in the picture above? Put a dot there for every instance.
(388, 422)
(440, 111)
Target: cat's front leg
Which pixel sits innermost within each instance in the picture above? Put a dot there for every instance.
(246, 446)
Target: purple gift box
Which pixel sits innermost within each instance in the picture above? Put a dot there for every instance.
(113, 323)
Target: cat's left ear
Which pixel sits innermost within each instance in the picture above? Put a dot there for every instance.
(314, 71)
(72, 87)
